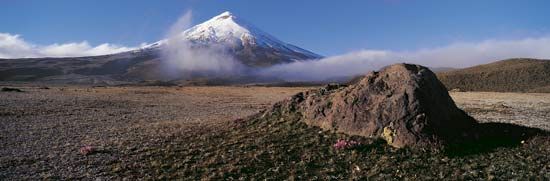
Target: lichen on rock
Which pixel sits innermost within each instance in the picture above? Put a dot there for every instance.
(388, 135)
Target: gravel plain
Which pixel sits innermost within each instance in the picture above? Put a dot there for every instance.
(528, 109)
(178, 132)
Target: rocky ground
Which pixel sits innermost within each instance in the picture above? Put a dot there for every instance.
(196, 133)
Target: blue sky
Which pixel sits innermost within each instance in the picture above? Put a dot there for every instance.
(325, 27)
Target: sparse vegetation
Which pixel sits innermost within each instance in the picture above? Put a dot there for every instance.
(513, 75)
(8, 89)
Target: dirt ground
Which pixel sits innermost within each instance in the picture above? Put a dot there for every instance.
(131, 128)
(528, 109)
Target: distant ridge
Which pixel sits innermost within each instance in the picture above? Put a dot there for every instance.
(510, 75)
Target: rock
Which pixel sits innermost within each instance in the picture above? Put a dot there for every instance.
(404, 104)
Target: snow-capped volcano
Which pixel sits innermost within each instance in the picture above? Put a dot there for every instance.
(228, 28)
(248, 44)
(224, 28)
(237, 38)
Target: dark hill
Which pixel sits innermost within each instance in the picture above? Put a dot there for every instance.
(511, 75)
(133, 67)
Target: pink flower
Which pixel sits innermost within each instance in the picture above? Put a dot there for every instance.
(344, 144)
(86, 150)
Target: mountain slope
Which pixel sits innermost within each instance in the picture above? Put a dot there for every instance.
(511, 75)
(107, 69)
(246, 43)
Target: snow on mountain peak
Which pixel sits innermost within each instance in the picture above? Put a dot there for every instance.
(223, 28)
(224, 15)
(226, 28)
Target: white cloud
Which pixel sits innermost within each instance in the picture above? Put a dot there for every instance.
(336, 66)
(458, 55)
(467, 54)
(181, 58)
(13, 46)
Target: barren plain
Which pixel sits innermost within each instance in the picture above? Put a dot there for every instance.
(189, 133)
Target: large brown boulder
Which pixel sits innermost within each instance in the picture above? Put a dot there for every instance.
(404, 104)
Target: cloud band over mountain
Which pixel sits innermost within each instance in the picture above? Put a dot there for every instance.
(462, 54)
(13, 46)
(457, 55)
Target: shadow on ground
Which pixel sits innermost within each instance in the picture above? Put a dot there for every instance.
(490, 136)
